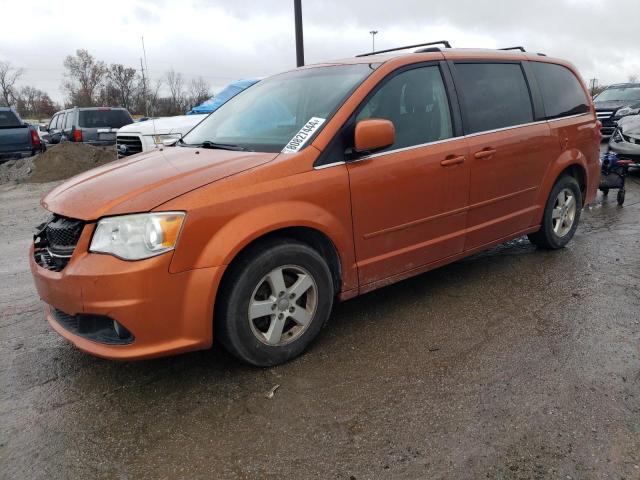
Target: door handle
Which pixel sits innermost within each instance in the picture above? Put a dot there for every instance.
(451, 160)
(486, 153)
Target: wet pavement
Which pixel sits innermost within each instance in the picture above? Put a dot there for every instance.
(515, 363)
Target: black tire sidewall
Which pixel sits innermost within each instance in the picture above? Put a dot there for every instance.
(232, 324)
(553, 240)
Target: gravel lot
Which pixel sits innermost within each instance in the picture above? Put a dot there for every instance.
(516, 363)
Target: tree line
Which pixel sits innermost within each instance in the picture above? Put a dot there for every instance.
(89, 82)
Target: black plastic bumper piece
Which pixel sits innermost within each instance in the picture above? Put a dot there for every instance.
(97, 328)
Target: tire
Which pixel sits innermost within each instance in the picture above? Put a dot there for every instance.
(298, 310)
(605, 192)
(559, 224)
(620, 197)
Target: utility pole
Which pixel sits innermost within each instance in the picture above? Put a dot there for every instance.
(373, 39)
(297, 10)
(592, 85)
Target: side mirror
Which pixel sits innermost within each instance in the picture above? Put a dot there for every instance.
(374, 134)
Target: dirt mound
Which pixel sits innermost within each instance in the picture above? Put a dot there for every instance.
(57, 163)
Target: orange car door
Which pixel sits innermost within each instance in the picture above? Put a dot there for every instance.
(409, 200)
(509, 150)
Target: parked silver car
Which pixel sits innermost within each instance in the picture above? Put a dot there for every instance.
(625, 140)
(93, 125)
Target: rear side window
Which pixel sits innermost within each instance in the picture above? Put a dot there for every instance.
(494, 95)
(9, 119)
(68, 120)
(416, 102)
(104, 118)
(562, 94)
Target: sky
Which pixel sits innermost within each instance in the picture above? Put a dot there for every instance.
(225, 40)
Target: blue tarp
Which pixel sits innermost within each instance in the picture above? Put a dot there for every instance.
(223, 97)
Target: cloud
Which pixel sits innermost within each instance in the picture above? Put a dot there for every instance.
(227, 40)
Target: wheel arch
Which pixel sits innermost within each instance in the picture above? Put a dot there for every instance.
(571, 162)
(312, 237)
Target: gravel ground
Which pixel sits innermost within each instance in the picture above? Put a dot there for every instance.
(57, 163)
(513, 364)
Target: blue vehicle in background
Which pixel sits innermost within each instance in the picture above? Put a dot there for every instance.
(223, 97)
(146, 135)
(18, 139)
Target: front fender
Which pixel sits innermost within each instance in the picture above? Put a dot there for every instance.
(225, 245)
(223, 219)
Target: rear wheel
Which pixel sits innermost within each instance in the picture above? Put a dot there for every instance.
(561, 215)
(605, 192)
(620, 198)
(274, 303)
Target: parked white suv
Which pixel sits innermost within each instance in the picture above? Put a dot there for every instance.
(148, 134)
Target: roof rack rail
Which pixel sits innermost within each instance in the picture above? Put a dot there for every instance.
(441, 42)
(514, 48)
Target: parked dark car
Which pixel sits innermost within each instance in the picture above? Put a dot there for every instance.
(18, 139)
(616, 102)
(93, 125)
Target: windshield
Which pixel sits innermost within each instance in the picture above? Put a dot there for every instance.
(104, 118)
(619, 93)
(270, 114)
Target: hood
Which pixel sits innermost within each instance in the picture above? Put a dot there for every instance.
(613, 104)
(163, 126)
(142, 182)
(630, 125)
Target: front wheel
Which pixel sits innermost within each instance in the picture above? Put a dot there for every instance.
(561, 215)
(274, 302)
(620, 198)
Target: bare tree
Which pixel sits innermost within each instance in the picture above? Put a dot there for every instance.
(633, 78)
(177, 97)
(9, 75)
(123, 81)
(84, 77)
(148, 98)
(198, 91)
(34, 103)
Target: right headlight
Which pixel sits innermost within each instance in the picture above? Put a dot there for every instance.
(166, 138)
(626, 111)
(138, 236)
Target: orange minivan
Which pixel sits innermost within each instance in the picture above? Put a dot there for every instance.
(312, 186)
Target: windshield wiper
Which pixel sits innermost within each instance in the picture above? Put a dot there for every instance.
(223, 146)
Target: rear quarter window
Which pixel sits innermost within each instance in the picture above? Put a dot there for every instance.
(9, 119)
(562, 93)
(104, 118)
(494, 96)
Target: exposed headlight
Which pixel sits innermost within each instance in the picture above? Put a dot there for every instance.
(134, 237)
(626, 111)
(161, 139)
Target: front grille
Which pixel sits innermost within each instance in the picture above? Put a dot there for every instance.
(55, 242)
(98, 328)
(604, 114)
(128, 145)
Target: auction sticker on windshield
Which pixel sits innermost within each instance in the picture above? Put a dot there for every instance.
(305, 133)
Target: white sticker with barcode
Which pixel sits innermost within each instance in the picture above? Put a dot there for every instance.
(305, 133)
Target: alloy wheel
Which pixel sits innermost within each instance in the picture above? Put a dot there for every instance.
(283, 305)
